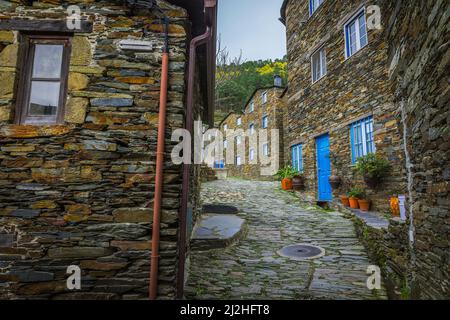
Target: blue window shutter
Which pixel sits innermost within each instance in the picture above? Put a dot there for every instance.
(300, 159)
(311, 7)
(352, 132)
(293, 156)
(347, 42)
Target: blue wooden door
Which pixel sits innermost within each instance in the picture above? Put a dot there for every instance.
(323, 168)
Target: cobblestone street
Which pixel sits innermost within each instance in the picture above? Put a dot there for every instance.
(252, 269)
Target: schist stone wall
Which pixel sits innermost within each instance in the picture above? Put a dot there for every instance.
(274, 109)
(81, 193)
(351, 90)
(419, 60)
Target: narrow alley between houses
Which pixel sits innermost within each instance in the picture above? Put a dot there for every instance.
(251, 267)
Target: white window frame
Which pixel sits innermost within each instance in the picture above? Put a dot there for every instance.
(252, 154)
(314, 8)
(252, 106)
(266, 125)
(251, 128)
(238, 161)
(225, 144)
(239, 121)
(238, 140)
(323, 64)
(364, 141)
(264, 97)
(265, 148)
(355, 18)
(225, 127)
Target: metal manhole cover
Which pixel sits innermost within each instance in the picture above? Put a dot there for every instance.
(302, 252)
(219, 209)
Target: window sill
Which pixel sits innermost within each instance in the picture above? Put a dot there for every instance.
(318, 80)
(32, 131)
(315, 13)
(356, 53)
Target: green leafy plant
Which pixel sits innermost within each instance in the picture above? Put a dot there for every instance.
(287, 172)
(357, 193)
(372, 166)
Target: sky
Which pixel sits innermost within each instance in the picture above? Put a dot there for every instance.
(253, 26)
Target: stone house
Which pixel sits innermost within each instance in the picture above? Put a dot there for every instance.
(419, 61)
(339, 102)
(80, 109)
(390, 84)
(263, 110)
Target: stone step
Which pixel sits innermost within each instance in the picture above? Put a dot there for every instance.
(214, 231)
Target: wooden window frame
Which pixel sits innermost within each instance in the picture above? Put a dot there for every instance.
(362, 138)
(322, 61)
(265, 97)
(297, 157)
(313, 8)
(355, 20)
(265, 122)
(28, 47)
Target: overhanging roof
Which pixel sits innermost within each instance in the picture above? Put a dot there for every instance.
(283, 11)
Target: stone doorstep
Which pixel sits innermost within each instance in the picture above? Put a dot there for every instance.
(372, 219)
(214, 231)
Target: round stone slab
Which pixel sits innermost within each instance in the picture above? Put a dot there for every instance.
(302, 252)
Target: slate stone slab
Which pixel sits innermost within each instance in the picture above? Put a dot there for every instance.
(112, 102)
(25, 213)
(6, 240)
(216, 231)
(220, 209)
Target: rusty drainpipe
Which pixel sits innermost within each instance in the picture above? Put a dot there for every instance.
(153, 287)
(210, 9)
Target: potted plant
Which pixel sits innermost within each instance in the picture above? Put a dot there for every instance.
(363, 203)
(298, 182)
(395, 204)
(354, 195)
(334, 179)
(345, 201)
(286, 174)
(373, 168)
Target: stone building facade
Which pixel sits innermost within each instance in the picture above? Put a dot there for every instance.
(419, 60)
(399, 77)
(78, 189)
(264, 110)
(339, 102)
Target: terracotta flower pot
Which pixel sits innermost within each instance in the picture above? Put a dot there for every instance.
(286, 184)
(395, 207)
(335, 181)
(364, 205)
(298, 183)
(345, 201)
(354, 203)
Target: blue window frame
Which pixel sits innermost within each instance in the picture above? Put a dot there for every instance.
(314, 5)
(265, 122)
(361, 138)
(355, 34)
(297, 157)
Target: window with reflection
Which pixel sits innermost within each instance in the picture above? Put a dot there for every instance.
(43, 85)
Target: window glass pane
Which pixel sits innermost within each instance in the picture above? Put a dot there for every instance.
(47, 61)
(44, 98)
(323, 62)
(362, 30)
